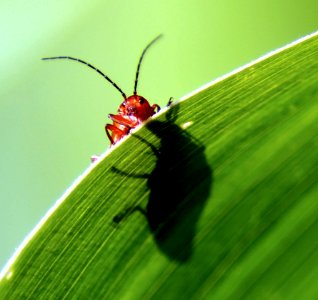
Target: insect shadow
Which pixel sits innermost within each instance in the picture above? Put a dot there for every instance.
(179, 186)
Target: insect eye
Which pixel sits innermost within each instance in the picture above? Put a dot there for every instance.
(141, 100)
(124, 103)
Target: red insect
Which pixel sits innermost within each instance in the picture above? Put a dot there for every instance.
(133, 111)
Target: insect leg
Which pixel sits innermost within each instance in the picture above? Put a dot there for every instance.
(170, 101)
(115, 130)
(127, 212)
(155, 108)
(126, 121)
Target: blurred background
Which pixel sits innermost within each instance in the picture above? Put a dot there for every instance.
(53, 113)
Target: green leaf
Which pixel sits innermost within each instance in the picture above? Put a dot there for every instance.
(216, 198)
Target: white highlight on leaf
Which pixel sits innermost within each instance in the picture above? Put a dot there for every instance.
(186, 124)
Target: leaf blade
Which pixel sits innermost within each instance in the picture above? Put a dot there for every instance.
(246, 164)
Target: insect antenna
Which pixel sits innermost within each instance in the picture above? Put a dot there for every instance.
(92, 67)
(140, 60)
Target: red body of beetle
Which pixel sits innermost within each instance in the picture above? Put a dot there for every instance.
(133, 111)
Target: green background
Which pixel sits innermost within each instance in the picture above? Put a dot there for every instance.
(52, 113)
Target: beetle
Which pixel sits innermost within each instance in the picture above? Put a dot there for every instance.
(133, 111)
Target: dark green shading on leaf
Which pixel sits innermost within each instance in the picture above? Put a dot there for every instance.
(252, 235)
(181, 168)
